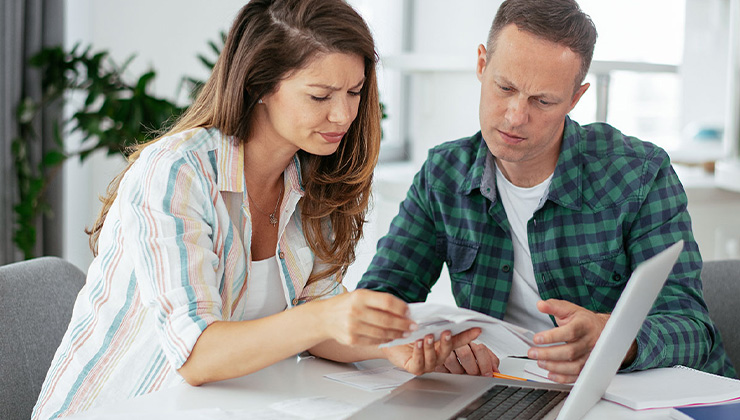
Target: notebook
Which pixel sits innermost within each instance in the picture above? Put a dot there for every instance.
(671, 387)
(443, 396)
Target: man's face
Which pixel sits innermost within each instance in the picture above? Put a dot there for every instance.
(527, 88)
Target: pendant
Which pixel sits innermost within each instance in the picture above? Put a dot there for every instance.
(273, 219)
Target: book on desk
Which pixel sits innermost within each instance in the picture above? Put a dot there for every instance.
(725, 411)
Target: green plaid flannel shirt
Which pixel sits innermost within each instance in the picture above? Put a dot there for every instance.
(614, 201)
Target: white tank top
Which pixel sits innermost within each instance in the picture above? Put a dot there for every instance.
(265, 294)
(520, 205)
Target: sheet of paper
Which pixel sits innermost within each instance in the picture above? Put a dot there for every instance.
(503, 338)
(532, 368)
(315, 407)
(373, 379)
(503, 342)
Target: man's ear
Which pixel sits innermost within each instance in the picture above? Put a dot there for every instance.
(577, 95)
(481, 63)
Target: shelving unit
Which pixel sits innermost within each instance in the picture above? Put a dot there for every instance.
(727, 171)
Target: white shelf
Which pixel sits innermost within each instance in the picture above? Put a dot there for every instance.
(696, 152)
(445, 63)
(727, 174)
(429, 63)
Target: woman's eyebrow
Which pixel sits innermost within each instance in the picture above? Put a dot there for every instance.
(334, 88)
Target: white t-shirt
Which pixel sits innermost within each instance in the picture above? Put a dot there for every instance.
(520, 205)
(265, 294)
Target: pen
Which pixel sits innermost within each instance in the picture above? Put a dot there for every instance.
(502, 376)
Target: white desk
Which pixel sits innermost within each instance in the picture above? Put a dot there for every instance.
(300, 378)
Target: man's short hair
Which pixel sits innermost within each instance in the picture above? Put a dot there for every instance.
(559, 21)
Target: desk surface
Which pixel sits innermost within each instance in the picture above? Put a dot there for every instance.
(295, 378)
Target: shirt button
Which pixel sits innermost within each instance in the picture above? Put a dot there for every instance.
(617, 277)
(281, 255)
(295, 301)
(505, 268)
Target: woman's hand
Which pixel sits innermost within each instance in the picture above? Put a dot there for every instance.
(426, 355)
(365, 317)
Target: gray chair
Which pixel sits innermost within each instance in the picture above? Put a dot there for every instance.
(36, 300)
(721, 281)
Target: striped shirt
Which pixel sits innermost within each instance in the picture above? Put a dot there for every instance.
(174, 256)
(614, 201)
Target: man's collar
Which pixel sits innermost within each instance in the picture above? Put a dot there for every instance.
(565, 187)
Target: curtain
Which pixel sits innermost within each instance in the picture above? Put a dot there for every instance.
(26, 26)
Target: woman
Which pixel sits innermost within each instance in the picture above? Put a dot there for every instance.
(252, 204)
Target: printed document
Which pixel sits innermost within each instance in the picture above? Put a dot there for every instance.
(503, 338)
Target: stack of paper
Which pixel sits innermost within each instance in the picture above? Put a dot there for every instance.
(503, 338)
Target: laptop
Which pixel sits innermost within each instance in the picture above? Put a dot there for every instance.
(445, 396)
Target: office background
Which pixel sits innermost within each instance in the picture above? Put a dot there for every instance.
(662, 72)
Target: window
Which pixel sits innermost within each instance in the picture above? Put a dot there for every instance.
(635, 79)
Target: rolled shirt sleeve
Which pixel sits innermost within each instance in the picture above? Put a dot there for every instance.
(169, 225)
(678, 330)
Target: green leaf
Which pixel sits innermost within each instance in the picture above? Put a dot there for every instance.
(144, 81)
(215, 48)
(122, 68)
(206, 62)
(54, 158)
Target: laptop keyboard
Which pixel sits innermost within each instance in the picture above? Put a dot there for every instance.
(512, 402)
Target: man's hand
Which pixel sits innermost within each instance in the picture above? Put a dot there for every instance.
(426, 355)
(472, 359)
(577, 330)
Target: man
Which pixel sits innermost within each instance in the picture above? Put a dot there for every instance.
(541, 221)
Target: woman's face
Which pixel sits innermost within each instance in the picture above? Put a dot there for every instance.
(314, 107)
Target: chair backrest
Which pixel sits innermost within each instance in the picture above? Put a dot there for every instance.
(721, 281)
(36, 300)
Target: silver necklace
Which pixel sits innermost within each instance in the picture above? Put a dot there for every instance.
(272, 216)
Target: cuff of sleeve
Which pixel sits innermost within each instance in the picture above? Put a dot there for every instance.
(650, 350)
(181, 327)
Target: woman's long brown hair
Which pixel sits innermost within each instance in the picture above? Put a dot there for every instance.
(269, 40)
